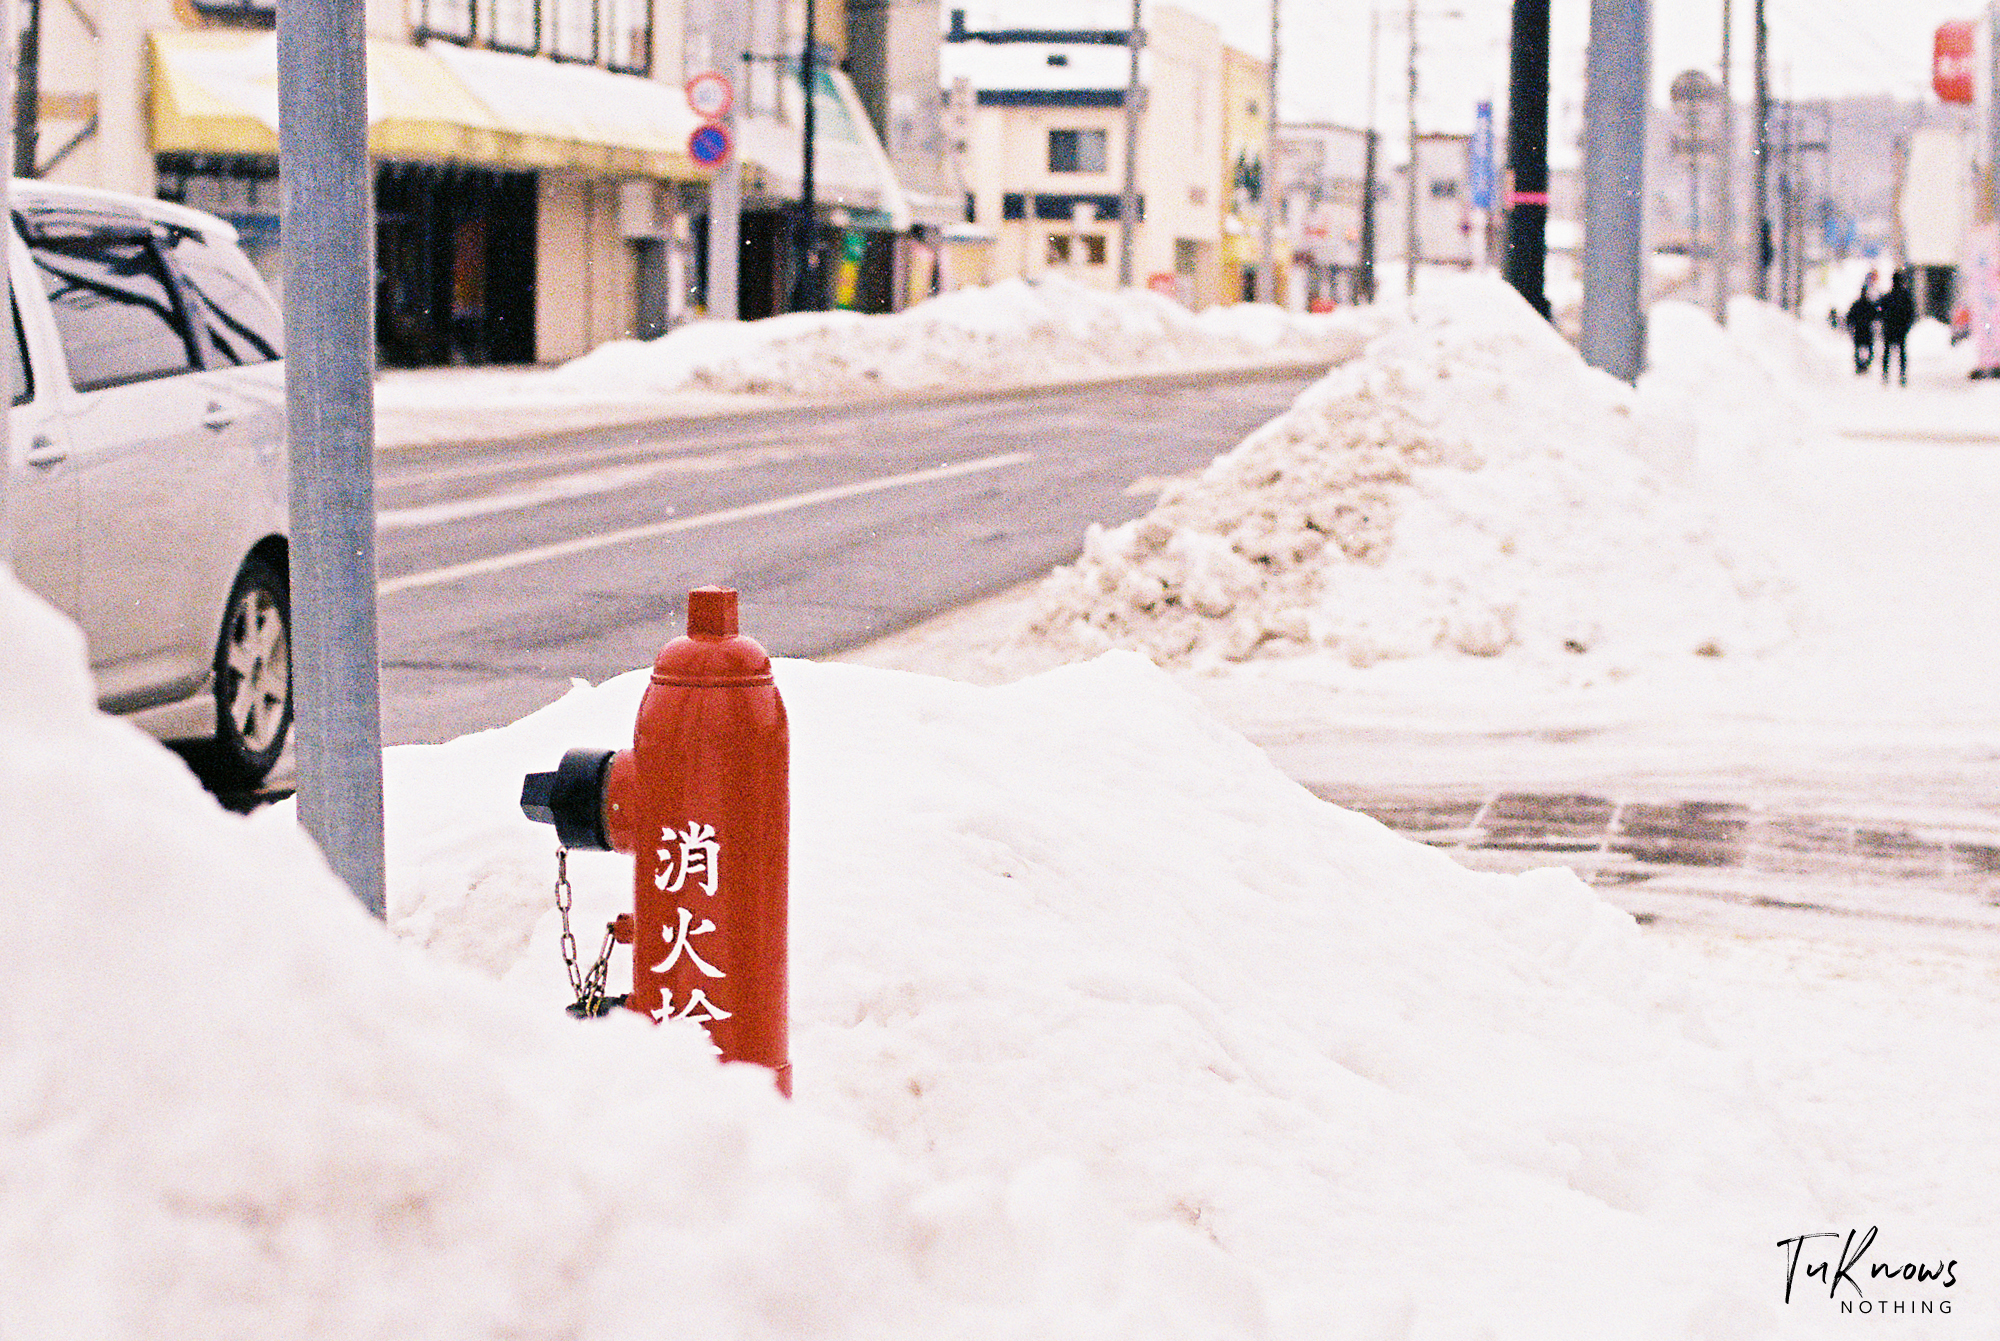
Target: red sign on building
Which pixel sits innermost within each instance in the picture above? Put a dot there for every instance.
(1951, 61)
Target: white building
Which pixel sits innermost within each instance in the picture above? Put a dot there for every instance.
(1042, 148)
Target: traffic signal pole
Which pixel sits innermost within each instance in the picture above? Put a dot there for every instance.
(1527, 186)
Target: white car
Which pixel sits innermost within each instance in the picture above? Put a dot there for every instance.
(146, 487)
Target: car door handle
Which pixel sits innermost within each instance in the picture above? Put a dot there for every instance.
(43, 454)
(218, 417)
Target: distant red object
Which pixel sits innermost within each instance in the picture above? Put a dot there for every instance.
(1320, 305)
(1162, 281)
(1951, 61)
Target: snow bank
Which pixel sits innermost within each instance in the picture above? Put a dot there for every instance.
(1005, 334)
(1466, 486)
(1071, 935)
(231, 1106)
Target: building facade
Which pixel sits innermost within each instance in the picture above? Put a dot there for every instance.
(1322, 183)
(1040, 146)
(534, 193)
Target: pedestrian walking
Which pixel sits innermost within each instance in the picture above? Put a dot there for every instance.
(1896, 313)
(1861, 325)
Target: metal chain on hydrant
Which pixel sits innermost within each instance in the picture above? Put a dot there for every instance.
(589, 987)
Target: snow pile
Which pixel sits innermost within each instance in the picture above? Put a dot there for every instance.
(231, 1106)
(1465, 486)
(1008, 333)
(1072, 936)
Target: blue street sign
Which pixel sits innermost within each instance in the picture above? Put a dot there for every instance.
(1479, 170)
(709, 145)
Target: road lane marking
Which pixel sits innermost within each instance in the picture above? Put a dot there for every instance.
(730, 459)
(553, 490)
(583, 544)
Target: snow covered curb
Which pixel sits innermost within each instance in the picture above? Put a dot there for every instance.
(1014, 335)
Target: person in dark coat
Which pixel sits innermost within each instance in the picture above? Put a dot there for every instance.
(1861, 325)
(1896, 313)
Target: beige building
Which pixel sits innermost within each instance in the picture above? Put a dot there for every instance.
(1040, 145)
(534, 194)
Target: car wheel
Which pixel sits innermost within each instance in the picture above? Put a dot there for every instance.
(253, 674)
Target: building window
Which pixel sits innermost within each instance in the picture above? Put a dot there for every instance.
(628, 26)
(260, 13)
(449, 19)
(1093, 248)
(573, 30)
(511, 25)
(1014, 205)
(614, 33)
(1057, 250)
(1444, 188)
(1078, 150)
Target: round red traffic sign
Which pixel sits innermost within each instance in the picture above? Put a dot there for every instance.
(710, 95)
(709, 145)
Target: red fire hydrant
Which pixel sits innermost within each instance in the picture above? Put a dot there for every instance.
(702, 802)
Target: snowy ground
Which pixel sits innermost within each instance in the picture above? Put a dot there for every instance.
(1103, 1026)
(1014, 333)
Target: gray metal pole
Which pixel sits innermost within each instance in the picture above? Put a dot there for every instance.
(1267, 269)
(1760, 159)
(1410, 179)
(1992, 111)
(26, 70)
(327, 233)
(1614, 137)
(1725, 188)
(1128, 193)
(725, 188)
(1370, 156)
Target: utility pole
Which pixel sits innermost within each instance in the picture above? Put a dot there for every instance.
(1128, 194)
(1527, 196)
(1614, 159)
(1761, 156)
(1410, 182)
(1725, 188)
(805, 283)
(28, 92)
(329, 298)
(1268, 185)
(1365, 280)
(731, 42)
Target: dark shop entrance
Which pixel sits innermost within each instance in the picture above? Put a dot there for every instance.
(454, 265)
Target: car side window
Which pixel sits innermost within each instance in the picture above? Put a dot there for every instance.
(228, 305)
(114, 308)
(20, 380)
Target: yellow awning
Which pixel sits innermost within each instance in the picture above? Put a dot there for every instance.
(216, 92)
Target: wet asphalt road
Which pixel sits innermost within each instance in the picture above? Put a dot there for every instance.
(509, 568)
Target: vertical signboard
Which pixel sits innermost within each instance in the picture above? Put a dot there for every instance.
(1951, 61)
(1479, 169)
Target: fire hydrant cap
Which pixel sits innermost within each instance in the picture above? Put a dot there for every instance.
(713, 653)
(712, 612)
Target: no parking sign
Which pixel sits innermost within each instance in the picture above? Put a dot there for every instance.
(709, 145)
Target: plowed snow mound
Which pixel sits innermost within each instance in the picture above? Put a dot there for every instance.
(1009, 332)
(1467, 485)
